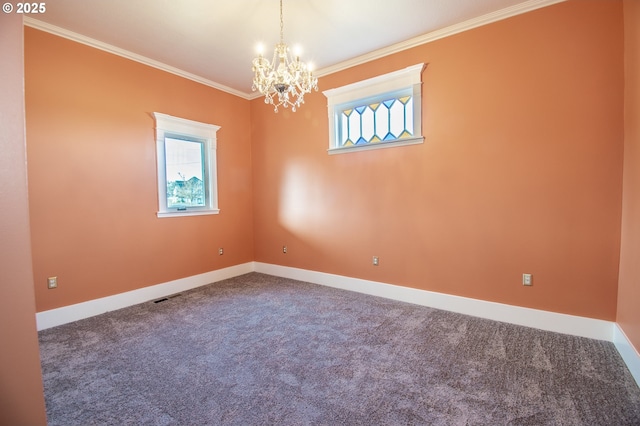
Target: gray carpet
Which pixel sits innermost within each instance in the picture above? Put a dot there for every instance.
(258, 349)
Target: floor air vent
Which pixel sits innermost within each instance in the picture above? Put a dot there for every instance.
(164, 299)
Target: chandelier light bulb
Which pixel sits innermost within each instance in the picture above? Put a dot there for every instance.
(283, 81)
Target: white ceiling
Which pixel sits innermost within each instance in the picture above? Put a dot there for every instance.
(215, 40)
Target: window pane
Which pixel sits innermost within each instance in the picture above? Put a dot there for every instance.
(354, 127)
(409, 116)
(382, 122)
(344, 133)
(185, 173)
(396, 126)
(368, 124)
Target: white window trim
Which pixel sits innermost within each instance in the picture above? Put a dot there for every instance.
(410, 77)
(169, 125)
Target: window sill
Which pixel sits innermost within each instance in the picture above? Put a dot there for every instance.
(188, 213)
(377, 145)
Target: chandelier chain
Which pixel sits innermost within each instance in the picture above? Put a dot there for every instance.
(281, 25)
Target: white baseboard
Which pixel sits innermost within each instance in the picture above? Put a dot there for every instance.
(628, 353)
(65, 314)
(544, 320)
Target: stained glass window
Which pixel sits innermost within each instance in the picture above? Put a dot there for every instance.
(378, 112)
(391, 119)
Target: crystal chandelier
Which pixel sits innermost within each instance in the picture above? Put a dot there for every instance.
(282, 81)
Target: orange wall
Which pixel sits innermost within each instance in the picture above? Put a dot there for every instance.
(629, 285)
(521, 170)
(21, 398)
(92, 174)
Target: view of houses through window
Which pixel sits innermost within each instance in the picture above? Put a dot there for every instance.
(184, 173)
(187, 177)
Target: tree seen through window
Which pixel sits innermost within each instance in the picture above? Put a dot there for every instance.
(184, 173)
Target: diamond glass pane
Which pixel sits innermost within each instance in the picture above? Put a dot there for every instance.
(354, 127)
(382, 122)
(397, 124)
(368, 125)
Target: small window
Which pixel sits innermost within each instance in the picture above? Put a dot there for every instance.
(186, 153)
(379, 112)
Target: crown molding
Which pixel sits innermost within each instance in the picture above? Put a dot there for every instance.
(489, 18)
(70, 35)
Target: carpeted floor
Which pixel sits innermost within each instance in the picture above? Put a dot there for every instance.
(258, 349)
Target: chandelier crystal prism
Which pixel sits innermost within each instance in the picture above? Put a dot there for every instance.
(283, 81)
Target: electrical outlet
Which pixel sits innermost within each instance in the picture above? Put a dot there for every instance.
(376, 261)
(527, 279)
(284, 249)
(220, 251)
(52, 282)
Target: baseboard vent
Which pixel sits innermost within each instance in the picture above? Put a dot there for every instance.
(164, 299)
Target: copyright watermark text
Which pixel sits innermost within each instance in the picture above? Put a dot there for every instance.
(25, 8)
